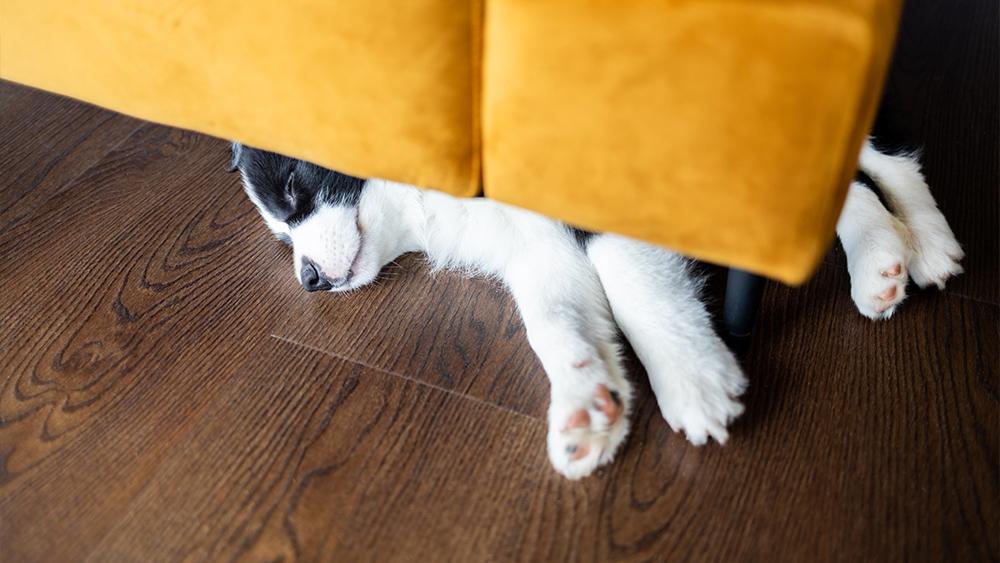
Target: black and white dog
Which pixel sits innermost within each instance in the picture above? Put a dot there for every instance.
(573, 288)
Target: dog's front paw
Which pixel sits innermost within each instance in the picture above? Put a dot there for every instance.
(702, 399)
(586, 429)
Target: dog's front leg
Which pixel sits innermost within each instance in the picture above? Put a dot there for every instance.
(655, 301)
(570, 328)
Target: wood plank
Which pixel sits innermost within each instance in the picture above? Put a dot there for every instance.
(862, 442)
(310, 457)
(129, 319)
(45, 142)
(882, 438)
(456, 333)
(146, 414)
(10, 94)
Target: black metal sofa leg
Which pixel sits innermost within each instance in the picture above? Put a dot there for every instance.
(743, 293)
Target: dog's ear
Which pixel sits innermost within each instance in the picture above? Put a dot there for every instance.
(237, 149)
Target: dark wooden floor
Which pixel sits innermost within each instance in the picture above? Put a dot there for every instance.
(170, 393)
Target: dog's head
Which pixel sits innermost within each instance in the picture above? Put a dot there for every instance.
(319, 213)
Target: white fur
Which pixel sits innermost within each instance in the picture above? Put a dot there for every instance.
(914, 240)
(572, 300)
(936, 252)
(694, 376)
(873, 242)
(331, 235)
(560, 293)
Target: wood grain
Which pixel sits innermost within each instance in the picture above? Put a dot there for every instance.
(834, 463)
(882, 423)
(336, 461)
(169, 392)
(458, 334)
(46, 142)
(128, 297)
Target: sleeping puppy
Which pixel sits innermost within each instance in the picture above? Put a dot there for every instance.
(575, 290)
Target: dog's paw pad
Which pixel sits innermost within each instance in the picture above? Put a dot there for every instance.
(889, 294)
(609, 403)
(590, 434)
(884, 304)
(579, 419)
(894, 293)
(877, 295)
(892, 271)
(577, 451)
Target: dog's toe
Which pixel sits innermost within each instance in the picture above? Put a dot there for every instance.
(590, 434)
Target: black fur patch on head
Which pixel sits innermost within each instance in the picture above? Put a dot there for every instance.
(291, 188)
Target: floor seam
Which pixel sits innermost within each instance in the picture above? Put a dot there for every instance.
(404, 377)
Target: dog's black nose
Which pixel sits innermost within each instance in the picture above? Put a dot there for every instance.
(312, 279)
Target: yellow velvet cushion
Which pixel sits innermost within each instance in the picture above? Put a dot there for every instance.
(726, 130)
(373, 87)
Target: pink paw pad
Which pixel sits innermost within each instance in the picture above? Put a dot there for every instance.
(893, 271)
(579, 419)
(607, 402)
(888, 294)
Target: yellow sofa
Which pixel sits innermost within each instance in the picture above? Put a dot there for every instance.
(726, 130)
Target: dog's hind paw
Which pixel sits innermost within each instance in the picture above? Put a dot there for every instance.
(878, 283)
(936, 254)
